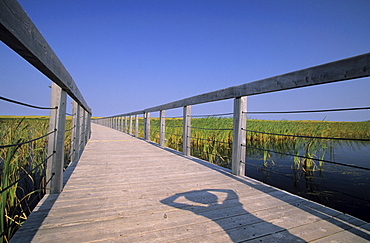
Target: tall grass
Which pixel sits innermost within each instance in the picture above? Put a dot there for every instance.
(25, 164)
(212, 138)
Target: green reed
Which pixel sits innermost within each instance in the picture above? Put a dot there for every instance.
(25, 162)
(216, 145)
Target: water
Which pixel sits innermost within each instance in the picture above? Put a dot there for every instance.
(342, 188)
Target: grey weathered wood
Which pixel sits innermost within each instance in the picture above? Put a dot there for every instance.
(345, 69)
(162, 127)
(57, 121)
(239, 136)
(130, 127)
(147, 125)
(136, 125)
(106, 201)
(88, 126)
(186, 134)
(82, 130)
(19, 33)
(75, 146)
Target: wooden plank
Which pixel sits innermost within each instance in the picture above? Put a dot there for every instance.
(19, 33)
(124, 189)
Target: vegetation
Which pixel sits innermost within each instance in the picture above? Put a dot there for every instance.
(211, 138)
(22, 169)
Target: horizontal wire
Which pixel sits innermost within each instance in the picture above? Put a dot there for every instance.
(210, 153)
(304, 157)
(209, 140)
(309, 182)
(173, 134)
(15, 182)
(52, 175)
(173, 117)
(70, 129)
(213, 129)
(224, 114)
(307, 111)
(299, 136)
(173, 126)
(28, 105)
(19, 144)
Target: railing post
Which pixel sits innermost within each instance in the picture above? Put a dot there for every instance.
(55, 164)
(239, 138)
(162, 127)
(125, 124)
(186, 130)
(75, 132)
(147, 126)
(136, 125)
(82, 131)
(88, 126)
(130, 128)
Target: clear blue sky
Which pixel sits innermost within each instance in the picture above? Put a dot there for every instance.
(130, 55)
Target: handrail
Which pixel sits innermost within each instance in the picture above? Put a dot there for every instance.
(19, 33)
(344, 69)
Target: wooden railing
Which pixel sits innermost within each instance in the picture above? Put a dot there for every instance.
(345, 69)
(19, 33)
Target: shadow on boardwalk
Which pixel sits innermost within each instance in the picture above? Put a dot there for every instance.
(235, 221)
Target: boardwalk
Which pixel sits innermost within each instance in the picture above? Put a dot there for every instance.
(127, 190)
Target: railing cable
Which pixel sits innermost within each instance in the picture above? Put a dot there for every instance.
(302, 136)
(213, 129)
(309, 182)
(28, 105)
(305, 157)
(307, 111)
(19, 144)
(222, 114)
(209, 140)
(38, 165)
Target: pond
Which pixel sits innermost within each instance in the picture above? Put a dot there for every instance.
(343, 188)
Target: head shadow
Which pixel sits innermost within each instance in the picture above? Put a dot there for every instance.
(223, 207)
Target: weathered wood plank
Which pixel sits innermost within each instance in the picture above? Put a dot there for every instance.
(19, 33)
(126, 190)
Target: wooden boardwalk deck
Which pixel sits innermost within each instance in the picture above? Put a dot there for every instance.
(124, 189)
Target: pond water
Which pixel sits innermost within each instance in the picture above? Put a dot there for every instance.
(340, 187)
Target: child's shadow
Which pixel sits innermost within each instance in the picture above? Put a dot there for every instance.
(223, 207)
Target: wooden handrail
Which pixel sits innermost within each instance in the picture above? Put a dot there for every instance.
(19, 33)
(345, 69)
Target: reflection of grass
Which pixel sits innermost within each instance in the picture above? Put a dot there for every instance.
(26, 162)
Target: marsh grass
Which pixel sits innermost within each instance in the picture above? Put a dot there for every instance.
(22, 167)
(212, 139)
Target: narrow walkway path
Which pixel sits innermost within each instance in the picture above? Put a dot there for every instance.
(124, 189)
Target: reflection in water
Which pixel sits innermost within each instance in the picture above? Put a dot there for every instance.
(217, 205)
(340, 187)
